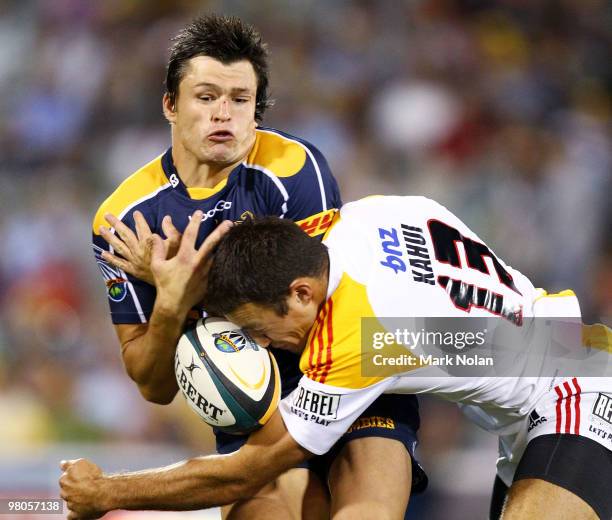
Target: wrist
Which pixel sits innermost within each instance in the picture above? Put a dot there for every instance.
(109, 495)
(169, 310)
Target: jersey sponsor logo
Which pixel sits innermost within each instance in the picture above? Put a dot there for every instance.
(391, 247)
(317, 224)
(320, 407)
(535, 419)
(418, 254)
(372, 422)
(219, 207)
(604, 434)
(602, 408)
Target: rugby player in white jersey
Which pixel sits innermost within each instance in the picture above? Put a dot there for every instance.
(382, 256)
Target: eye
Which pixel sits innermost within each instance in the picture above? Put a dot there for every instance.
(205, 97)
(241, 100)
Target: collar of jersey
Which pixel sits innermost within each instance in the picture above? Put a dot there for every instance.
(179, 186)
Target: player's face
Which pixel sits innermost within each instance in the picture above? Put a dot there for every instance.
(214, 112)
(267, 328)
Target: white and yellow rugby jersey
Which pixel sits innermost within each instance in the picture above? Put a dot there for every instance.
(282, 176)
(403, 257)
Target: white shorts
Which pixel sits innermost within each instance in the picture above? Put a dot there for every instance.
(574, 406)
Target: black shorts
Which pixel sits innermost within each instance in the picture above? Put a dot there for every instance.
(392, 416)
(572, 462)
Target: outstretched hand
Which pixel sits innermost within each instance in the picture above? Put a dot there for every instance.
(181, 279)
(136, 248)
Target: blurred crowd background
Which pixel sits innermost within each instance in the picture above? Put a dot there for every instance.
(500, 110)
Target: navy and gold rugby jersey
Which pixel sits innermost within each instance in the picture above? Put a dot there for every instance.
(282, 176)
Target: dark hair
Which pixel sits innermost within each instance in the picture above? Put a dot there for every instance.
(224, 38)
(257, 260)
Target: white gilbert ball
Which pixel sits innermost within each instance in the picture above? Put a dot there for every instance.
(228, 380)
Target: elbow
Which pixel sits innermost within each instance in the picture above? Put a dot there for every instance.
(155, 396)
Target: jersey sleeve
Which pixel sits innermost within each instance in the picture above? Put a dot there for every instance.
(311, 192)
(130, 299)
(317, 415)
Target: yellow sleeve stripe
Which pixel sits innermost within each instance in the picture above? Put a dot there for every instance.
(318, 223)
(138, 187)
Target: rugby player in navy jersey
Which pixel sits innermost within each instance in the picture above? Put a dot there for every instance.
(223, 165)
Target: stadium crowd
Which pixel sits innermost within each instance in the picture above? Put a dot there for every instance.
(500, 110)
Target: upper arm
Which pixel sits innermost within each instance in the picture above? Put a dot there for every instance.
(269, 452)
(130, 299)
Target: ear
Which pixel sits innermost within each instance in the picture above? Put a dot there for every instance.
(302, 290)
(169, 108)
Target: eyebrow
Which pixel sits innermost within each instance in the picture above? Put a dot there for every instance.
(235, 90)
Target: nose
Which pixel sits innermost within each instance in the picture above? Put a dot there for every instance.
(222, 110)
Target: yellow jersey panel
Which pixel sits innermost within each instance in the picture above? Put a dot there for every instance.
(277, 154)
(143, 183)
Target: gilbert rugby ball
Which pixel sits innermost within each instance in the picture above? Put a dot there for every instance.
(227, 379)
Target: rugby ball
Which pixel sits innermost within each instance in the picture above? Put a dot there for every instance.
(230, 381)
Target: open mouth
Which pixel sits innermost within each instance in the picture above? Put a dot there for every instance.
(221, 136)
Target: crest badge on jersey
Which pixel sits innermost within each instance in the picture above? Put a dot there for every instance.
(115, 279)
(117, 289)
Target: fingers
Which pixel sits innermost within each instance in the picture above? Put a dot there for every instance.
(143, 230)
(124, 232)
(191, 233)
(115, 261)
(115, 242)
(214, 238)
(169, 230)
(158, 252)
(173, 236)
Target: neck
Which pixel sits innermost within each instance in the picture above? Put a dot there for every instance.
(196, 174)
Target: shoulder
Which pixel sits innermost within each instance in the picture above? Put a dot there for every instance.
(282, 154)
(142, 185)
(333, 351)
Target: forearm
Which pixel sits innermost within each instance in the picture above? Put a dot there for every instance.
(197, 483)
(149, 358)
